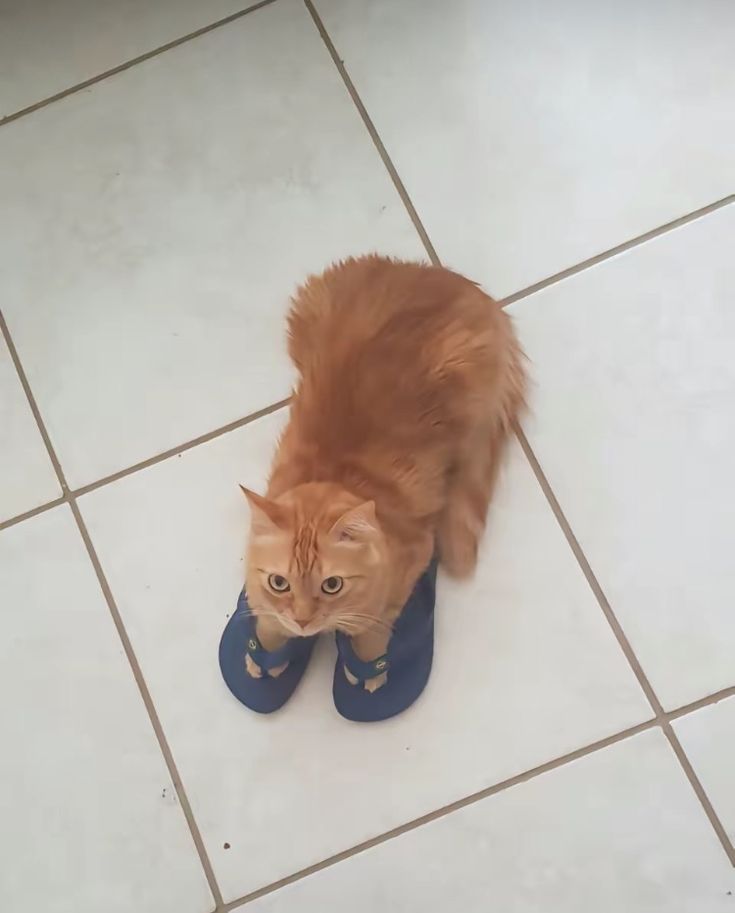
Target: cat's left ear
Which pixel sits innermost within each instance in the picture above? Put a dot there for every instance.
(357, 524)
(267, 517)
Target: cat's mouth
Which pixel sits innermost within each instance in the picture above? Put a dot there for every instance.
(310, 629)
(294, 629)
(325, 626)
(350, 625)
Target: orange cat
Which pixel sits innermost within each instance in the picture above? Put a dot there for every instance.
(409, 379)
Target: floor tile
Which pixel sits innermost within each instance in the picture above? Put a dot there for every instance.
(618, 830)
(708, 737)
(634, 426)
(27, 477)
(526, 669)
(46, 46)
(530, 135)
(159, 221)
(89, 819)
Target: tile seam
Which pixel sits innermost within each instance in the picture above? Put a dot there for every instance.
(618, 249)
(661, 716)
(128, 64)
(494, 789)
(160, 457)
(693, 706)
(446, 810)
(373, 133)
(180, 448)
(551, 498)
(662, 719)
(32, 512)
(119, 625)
(428, 245)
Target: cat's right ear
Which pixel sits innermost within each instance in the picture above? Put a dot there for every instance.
(357, 524)
(267, 517)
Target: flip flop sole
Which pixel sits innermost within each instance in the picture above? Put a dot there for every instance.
(268, 693)
(408, 658)
(401, 690)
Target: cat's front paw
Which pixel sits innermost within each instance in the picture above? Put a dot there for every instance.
(252, 667)
(371, 684)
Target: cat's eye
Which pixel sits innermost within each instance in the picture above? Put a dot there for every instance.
(278, 584)
(332, 585)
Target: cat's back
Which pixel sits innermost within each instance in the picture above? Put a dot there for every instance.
(392, 348)
(374, 308)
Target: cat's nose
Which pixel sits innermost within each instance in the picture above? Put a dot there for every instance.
(302, 622)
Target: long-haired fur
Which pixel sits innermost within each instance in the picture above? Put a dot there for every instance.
(409, 379)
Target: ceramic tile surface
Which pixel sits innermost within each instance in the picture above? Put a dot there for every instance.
(90, 819)
(47, 47)
(27, 477)
(708, 737)
(635, 427)
(619, 830)
(158, 247)
(526, 669)
(533, 135)
(152, 228)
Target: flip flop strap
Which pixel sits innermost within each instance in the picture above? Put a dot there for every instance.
(270, 659)
(266, 659)
(360, 668)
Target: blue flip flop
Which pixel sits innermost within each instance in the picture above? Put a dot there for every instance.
(407, 661)
(268, 693)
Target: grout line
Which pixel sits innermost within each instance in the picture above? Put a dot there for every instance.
(119, 625)
(661, 719)
(702, 702)
(419, 226)
(588, 573)
(148, 701)
(530, 456)
(143, 464)
(9, 118)
(700, 791)
(33, 406)
(34, 512)
(181, 448)
(618, 249)
(447, 810)
(618, 632)
(624, 643)
(374, 136)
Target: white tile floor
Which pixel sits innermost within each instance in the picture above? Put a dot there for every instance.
(152, 225)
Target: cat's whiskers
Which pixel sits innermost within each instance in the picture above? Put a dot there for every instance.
(361, 621)
(346, 627)
(259, 613)
(264, 613)
(375, 619)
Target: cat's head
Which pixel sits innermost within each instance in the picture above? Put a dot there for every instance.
(317, 560)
